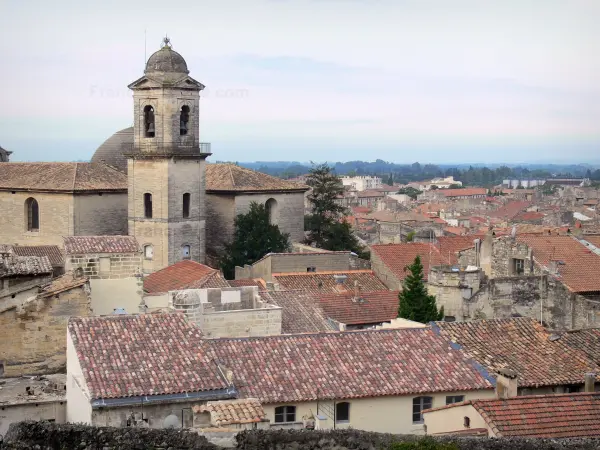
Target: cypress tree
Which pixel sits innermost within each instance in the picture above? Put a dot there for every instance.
(415, 303)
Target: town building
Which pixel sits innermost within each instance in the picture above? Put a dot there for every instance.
(4, 155)
(362, 183)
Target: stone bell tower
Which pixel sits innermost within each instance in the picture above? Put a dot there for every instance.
(166, 163)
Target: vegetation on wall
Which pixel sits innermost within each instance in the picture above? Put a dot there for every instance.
(253, 238)
(415, 303)
(325, 225)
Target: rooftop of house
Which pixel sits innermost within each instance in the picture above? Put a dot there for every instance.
(329, 281)
(396, 257)
(12, 265)
(61, 177)
(78, 245)
(143, 355)
(578, 266)
(233, 178)
(186, 274)
(510, 210)
(301, 312)
(523, 345)
(388, 216)
(366, 308)
(305, 367)
(39, 389)
(449, 246)
(258, 282)
(324, 253)
(61, 284)
(541, 416)
(529, 215)
(468, 192)
(53, 252)
(230, 412)
(370, 193)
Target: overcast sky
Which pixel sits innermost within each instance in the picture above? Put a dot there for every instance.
(400, 80)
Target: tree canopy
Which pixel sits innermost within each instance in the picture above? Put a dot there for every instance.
(253, 238)
(415, 303)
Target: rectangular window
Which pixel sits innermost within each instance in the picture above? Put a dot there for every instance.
(342, 412)
(311, 269)
(419, 405)
(104, 264)
(285, 414)
(450, 399)
(148, 205)
(186, 205)
(518, 266)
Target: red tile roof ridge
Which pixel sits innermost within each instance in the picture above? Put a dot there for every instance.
(325, 272)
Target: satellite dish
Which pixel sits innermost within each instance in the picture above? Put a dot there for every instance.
(172, 421)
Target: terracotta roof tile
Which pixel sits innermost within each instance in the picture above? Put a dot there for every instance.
(186, 274)
(449, 246)
(529, 215)
(301, 312)
(229, 412)
(12, 265)
(510, 210)
(397, 256)
(61, 176)
(77, 245)
(522, 345)
(347, 365)
(369, 308)
(580, 266)
(232, 178)
(61, 284)
(543, 416)
(258, 282)
(53, 253)
(148, 354)
(325, 281)
(470, 192)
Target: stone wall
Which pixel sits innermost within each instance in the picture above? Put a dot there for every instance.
(386, 276)
(33, 335)
(106, 266)
(220, 216)
(100, 214)
(56, 218)
(451, 288)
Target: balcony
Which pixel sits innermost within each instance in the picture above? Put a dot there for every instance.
(151, 148)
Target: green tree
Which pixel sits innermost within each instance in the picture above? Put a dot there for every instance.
(390, 180)
(415, 303)
(411, 192)
(253, 238)
(326, 226)
(410, 236)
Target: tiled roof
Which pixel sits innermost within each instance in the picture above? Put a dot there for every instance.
(369, 308)
(388, 216)
(229, 412)
(53, 253)
(581, 266)
(594, 240)
(397, 256)
(325, 281)
(449, 246)
(61, 176)
(510, 210)
(78, 245)
(370, 194)
(293, 368)
(232, 178)
(301, 312)
(258, 282)
(61, 284)
(13, 265)
(470, 192)
(186, 274)
(586, 341)
(522, 345)
(148, 354)
(455, 231)
(529, 215)
(543, 416)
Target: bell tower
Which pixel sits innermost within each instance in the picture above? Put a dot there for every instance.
(166, 163)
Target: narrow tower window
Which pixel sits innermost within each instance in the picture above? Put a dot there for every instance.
(186, 205)
(32, 212)
(271, 207)
(186, 252)
(149, 121)
(184, 118)
(148, 205)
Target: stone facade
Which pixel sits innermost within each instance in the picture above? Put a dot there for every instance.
(234, 312)
(105, 266)
(221, 210)
(451, 287)
(33, 333)
(61, 214)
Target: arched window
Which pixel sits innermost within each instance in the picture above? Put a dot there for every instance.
(186, 205)
(184, 118)
(32, 214)
(285, 414)
(271, 207)
(149, 121)
(148, 251)
(148, 205)
(186, 252)
(342, 412)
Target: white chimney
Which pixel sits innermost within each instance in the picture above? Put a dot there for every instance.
(506, 384)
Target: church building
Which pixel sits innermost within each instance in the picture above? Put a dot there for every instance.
(151, 181)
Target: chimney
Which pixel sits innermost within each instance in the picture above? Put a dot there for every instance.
(506, 383)
(356, 297)
(590, 382)
(553, 267)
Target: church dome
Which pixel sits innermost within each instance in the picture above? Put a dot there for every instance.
(166, 60)
(111, 151)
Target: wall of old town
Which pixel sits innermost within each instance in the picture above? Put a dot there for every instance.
(100, 214)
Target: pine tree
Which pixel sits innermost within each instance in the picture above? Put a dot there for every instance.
(415, 303)
(253, 238)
